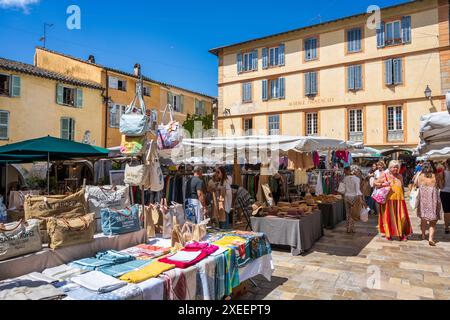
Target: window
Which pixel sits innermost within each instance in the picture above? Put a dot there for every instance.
(153, 119)
(68, 96)
(115, 113)
(311, 85)
(354, 40)
(176, 101)
(247, 61)
(312, 124)
(311, 49)
(4, 125)
(118, 84)
(273, 57)
(68, 129)
(394, 32)
(200, 107)
(146, 91)
(354, 78)
(395, 123)
(274, 125)
(9, 85)
(274, 89)
(355, 125)
(247, 92)
(394, 72)
(248, 126)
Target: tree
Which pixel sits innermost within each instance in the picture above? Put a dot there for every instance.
(206, 120)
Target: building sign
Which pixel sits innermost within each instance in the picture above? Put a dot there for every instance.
(311, 102)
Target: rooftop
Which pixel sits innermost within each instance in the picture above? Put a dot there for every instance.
(215, 51)
(21, 67)
(128, 74)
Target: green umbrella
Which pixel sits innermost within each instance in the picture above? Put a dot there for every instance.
(50, 147)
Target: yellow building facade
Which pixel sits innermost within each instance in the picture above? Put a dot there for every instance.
(35, 103)
(120, 89)
(340, 79)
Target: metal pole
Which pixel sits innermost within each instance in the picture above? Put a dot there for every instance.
(6, 183)
(48, 173)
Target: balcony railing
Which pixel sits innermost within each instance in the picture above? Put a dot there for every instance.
(356, 136)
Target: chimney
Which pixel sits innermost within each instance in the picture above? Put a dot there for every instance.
(91, 59)
(137, 70)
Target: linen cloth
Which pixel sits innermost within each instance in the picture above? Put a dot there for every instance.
(118, 270)
(20, 289)
(98, 282)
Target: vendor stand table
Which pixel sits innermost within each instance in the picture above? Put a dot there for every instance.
(300, 234)
(332, 213)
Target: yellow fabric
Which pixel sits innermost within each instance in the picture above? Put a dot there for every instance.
(397, 192)
(229, 240)
(151, 271)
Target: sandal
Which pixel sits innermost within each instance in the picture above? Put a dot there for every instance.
(432, 243)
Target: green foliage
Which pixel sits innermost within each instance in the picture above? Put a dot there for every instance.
(36, 183)
(206, 120)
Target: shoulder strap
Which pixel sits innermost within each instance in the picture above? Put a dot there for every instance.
(138, 96)
(170, 108)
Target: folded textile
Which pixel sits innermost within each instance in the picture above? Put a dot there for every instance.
(206, 277)
(146, 252)
(62, 272)
(90, 264)
(21, 289)
(230, 241)
(114, 256)
(118, 270)
(152, 289)
(98, 282)
(152, 270)
(205, 252)
(220, 279)
(185, 256)
(36, 276)
(77, 292)
(180, 284)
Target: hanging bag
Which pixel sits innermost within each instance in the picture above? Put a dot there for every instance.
(135, 124)
(380, 195)
(116, 222)
(168, 135)
(138, 175)
(132, 146)
(156, 178)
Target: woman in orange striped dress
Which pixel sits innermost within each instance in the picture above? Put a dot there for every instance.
(393, 221)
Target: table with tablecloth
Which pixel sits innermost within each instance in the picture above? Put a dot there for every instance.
(299, 234)
(47, 258)
(332, 213)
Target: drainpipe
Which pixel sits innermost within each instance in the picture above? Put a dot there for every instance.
(107, 109)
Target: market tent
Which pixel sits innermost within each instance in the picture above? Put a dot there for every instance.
(55, 147)
(437, 155)
(282, 143)
(367, 152)
(434, 132)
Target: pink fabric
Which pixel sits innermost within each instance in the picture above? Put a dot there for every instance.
(205, 249)
(316, 159)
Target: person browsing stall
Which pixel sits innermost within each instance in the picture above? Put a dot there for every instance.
(196, 208)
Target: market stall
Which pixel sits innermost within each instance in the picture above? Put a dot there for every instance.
(434, 132)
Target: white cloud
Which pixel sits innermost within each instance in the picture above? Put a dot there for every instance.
(18, 4)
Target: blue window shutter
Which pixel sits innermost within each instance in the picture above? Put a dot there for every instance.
(358, 77)
(314, 83)
(314, 48)
(389, 71)
(351, 77)
(255, 60)
(381, 30)
(265, 95)
(406, 29)
(307, 50)
(398, 71)
(281, 58)
(59, 94)
(350, 41)
(358, 40)
(282, 88)
(307, 84)
(79, 98)
(265, 58)
(239, 62)
(15, 86)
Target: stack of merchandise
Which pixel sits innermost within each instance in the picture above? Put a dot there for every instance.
(327, 198)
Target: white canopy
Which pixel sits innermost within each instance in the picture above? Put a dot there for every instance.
(367, 152)
(437, 155)
(434, 132)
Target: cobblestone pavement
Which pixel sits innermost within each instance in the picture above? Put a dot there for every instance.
(342, 266)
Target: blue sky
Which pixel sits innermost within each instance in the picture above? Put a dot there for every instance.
(170, 39)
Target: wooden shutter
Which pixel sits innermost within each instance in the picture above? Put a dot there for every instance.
(351, 78)
(389, 70)
(4, 125)
(314, 48)
(314, 83)
(406, 29)
(15, 86)
(181, 103)
(281, 88)
(79, 98)
(265, 88)
(358, 77)
(239, 62)
(381, 35)
(398, 71)
(59, 94)
(255, 60)
(281, 55)
(307, 84)
(64, 128)
(265, 58)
